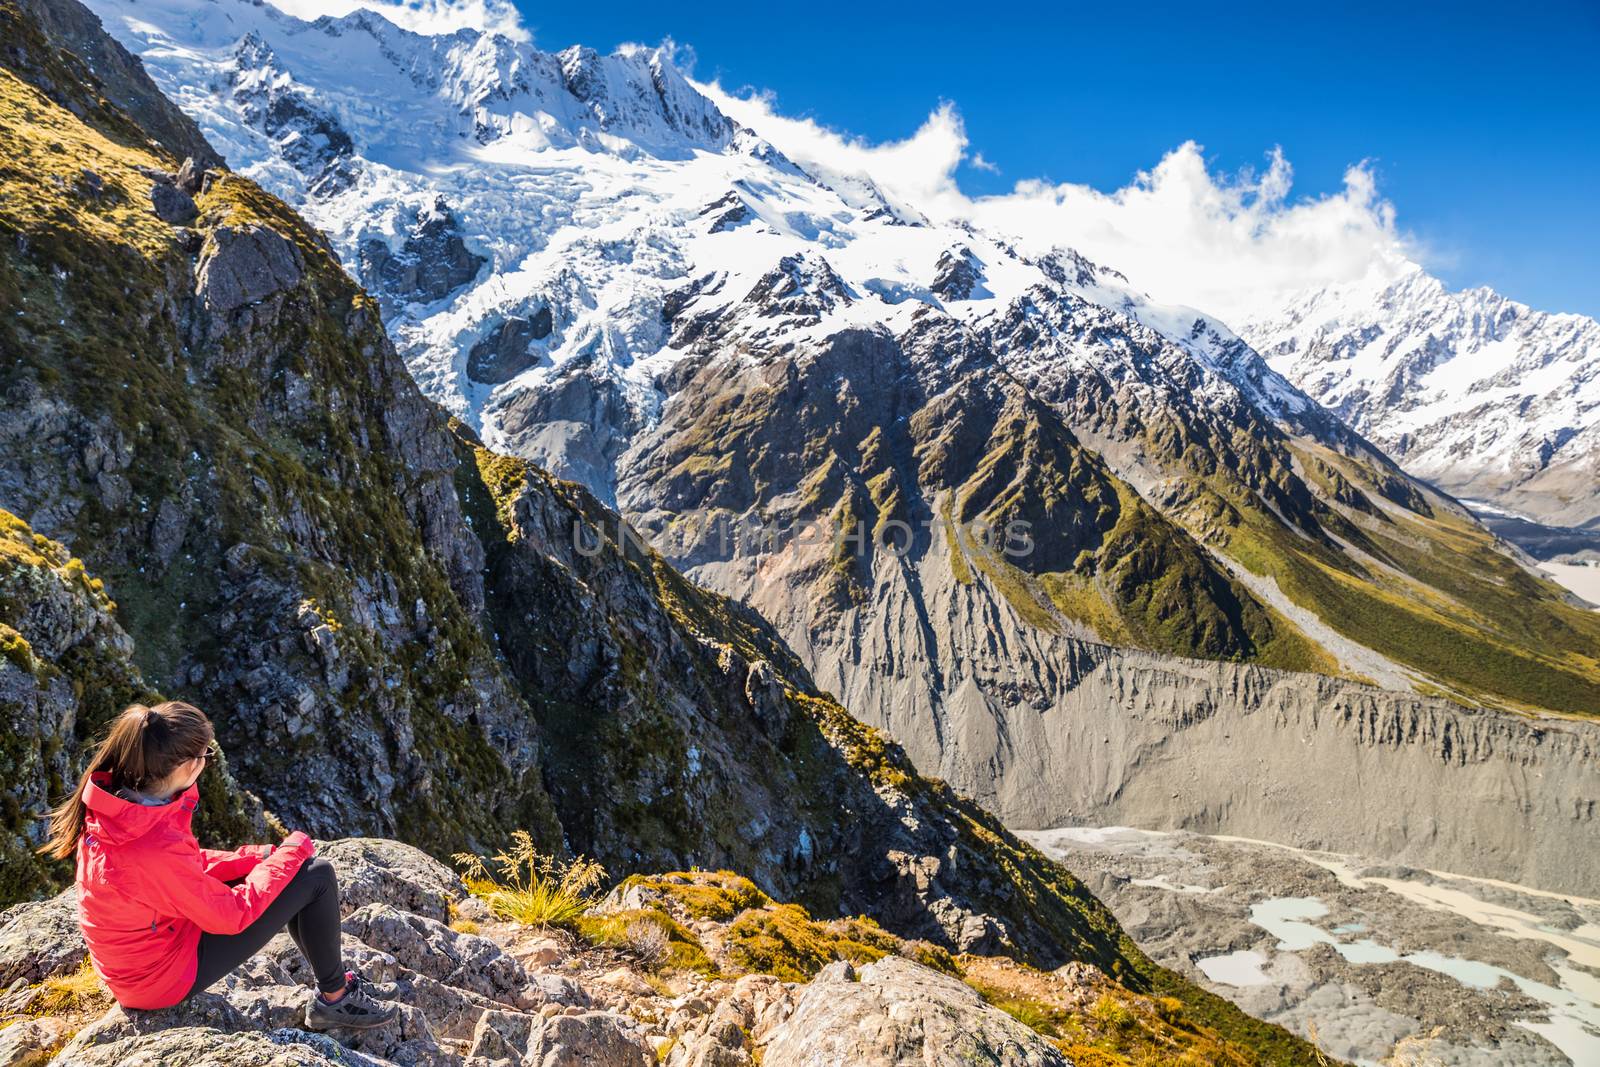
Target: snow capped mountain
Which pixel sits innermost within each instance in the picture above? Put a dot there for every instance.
(590, 264)
(530, 220)
(1483, 395)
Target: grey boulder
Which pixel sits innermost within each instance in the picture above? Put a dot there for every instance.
(172, 204)
(901, 1014)
(373, 870)
(40, 939)
(243, 265)
(592, 1039)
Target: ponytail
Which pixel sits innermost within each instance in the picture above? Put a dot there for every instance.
(142, 748)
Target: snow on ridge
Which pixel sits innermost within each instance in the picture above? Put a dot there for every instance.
(596, 188)
(1470, 387)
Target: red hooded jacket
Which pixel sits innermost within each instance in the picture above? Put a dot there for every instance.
(146, 891)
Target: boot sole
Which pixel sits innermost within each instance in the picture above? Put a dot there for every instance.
(323, 1026)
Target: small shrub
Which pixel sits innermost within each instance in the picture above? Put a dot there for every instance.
(679, 950)
(1111, 1012)
(528, 888)
(649, 942)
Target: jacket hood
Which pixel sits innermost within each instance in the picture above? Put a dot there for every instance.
(119, 821)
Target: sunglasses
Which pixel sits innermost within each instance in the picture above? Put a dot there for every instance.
(212, 751)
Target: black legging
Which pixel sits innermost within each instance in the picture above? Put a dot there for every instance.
(309, 907)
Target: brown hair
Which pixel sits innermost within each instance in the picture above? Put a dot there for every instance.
(142, 748)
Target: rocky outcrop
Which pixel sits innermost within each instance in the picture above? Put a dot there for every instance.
(503, 353)
(433, 260)
(40, 938)
(239, 455)
(307, 134)
(466, 1000)
(243, 265)
(726, 212)
(172, 204)
(959, 275)
(894, 1013)
(482, 992)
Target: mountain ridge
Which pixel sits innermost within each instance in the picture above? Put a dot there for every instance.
(577, 289)
(1481, 394)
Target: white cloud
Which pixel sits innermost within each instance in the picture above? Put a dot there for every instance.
(979, 162)
(915, 173)
(1232, 245)
(423, 16)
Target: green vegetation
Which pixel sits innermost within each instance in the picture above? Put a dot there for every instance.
(1096, 1022)
(661, 942)
(504, 478)
(719, 896)
(1438, 596)
(784, 941)
(1086, 1014)
(1105, 558)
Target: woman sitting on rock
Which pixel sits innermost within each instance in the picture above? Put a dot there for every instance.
(165, 918)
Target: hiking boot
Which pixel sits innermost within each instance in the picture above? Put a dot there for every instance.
(356, 1010)
(354, 980)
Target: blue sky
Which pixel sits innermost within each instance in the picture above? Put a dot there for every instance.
(1481, 122)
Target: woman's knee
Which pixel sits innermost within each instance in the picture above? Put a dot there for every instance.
(318, 871)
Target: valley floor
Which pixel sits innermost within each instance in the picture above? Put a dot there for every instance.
(1537, 539)
(1377, 963)
(1581, 578)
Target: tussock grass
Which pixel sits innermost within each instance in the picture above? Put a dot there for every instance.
(523, 886)
(786, 942)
